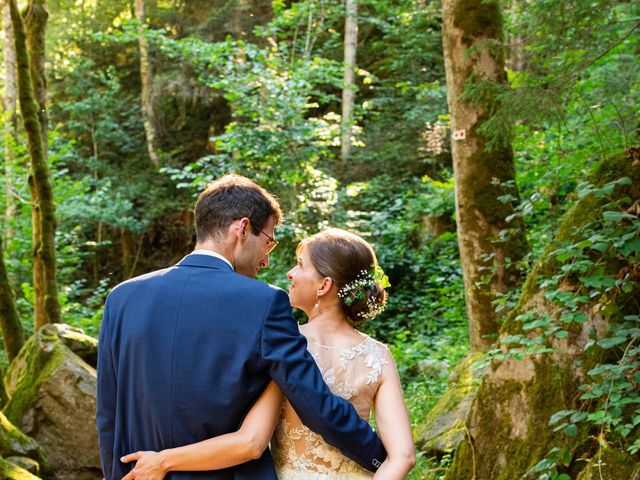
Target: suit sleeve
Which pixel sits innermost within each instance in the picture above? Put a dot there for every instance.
(106, 396)
(296, 373)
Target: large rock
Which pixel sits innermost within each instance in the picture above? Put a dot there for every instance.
(444, 427)
(52, 398)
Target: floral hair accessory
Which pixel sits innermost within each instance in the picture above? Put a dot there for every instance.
(380, 277)
(356, 290)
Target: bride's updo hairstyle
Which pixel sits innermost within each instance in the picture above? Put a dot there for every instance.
(350, 262)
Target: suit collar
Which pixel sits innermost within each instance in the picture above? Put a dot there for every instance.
(204, 261)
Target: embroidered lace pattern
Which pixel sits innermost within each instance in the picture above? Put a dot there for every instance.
(353, 374)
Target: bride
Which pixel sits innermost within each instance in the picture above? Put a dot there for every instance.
(338, 284)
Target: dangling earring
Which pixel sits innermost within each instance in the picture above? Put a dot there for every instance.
(317, 303)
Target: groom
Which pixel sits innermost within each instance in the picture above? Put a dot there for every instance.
(184, 352)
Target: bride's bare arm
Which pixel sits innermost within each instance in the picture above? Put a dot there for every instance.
(248, 443)
(394, 426)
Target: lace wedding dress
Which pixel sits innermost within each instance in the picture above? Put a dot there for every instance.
(351, 373)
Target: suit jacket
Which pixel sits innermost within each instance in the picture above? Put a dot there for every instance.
(184, 353)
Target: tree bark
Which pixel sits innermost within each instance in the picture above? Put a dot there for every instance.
(146, 81)
(472, 32)
(349, 88)
(35, 22)
(47, 308)
(12, 331)
(10, 99)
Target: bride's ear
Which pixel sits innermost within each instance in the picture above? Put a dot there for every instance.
(325, 286)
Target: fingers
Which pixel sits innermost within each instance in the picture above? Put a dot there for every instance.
(129, 476)
(130, 458)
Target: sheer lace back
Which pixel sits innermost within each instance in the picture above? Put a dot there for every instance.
(351, 373)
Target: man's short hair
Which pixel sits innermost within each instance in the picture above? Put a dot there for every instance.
(231, 198)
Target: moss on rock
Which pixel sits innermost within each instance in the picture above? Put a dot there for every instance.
(29, 464)
(14, 442)
(444, 427)
(41, 355)
(83, 345)
(11, 471)
(53, 399)
(610, 464)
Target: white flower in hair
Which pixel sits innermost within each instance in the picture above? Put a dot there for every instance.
(356, 290)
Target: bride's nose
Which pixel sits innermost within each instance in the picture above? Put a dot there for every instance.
(290, 273)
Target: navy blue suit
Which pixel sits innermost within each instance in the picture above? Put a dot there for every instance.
(185, 352)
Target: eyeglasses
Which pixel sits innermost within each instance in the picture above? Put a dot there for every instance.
(272, 242)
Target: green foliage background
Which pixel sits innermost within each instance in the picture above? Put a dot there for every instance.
(266, 104)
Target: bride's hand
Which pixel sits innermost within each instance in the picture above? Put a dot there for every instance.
(149, 466)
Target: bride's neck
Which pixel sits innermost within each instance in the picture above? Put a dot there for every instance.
(328, 319)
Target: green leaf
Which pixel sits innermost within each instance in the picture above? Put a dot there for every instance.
(598, 281)
(630, 247)
(618, 216)
(556, 417)
(541, 322)
(565, 456)
(571, 430)
(578, 417)
(607, 343)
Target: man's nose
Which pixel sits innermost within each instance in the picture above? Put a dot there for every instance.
(264, 263)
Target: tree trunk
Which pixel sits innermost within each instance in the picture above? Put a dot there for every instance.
(349, 88)
(517, 60)
(35, 22)
(508, 431)
(146, 81)
(10, 100)
(12, 331)
(47, 308)
(472, 32)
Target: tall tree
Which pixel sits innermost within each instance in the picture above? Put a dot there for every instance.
(146, 81)
(35, 21)
(472, 36)
(349, 88)
(10, 99)
(47, 308)
(12, 331)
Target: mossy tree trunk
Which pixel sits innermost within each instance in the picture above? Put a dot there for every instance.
(35, 21)
(47, 308)
(12, 331)
(472, 35)
(146, 82)
(349, 87)
(10, 100)
(508, 429)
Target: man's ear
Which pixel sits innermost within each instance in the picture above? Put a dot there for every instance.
(242, 227)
